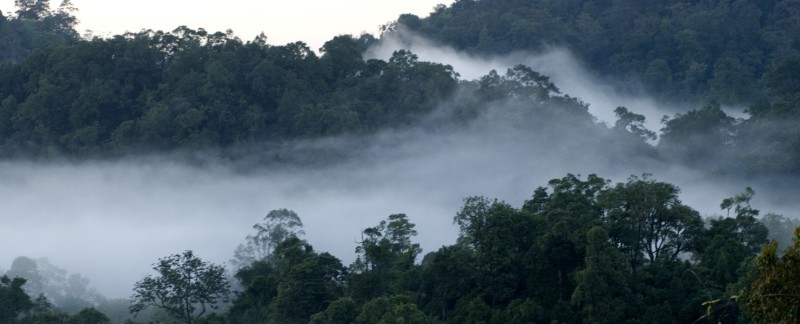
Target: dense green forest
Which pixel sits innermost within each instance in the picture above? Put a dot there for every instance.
(717, 50)
(580, 250)
(188, 90)
(731, 52)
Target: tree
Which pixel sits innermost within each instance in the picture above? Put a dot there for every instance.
(32, 9)
(633, 123)
(278, 225)
(500, 236)
(89, 316)
(342, 311)
(343, 57)
(750, 231)
(68, 292)
(646, 219)
(775, 293)
(394, 309)
(62, 21)
(386, 259)
(519, 82)
(294, 285)
(447, 275)
(13, 300)
(602, 293)
(308, 288)
(698, 136)
(185, 287)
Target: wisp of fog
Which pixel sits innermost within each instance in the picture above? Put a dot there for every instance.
(601, 92)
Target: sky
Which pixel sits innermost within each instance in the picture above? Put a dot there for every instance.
(313, 22)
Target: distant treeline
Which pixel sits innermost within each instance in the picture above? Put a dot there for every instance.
(193, 89)
(680, 49)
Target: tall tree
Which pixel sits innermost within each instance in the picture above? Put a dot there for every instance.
(648, 222)
(385, 261)
(752, 233)
(13, 299)
(32, 9)
(774, 295)
(633, 123)
(603, 294)
(698, 137)
(499, 236)
(278, 225)
(186, 287)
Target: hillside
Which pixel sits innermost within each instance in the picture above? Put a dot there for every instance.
(718, 50)
(740, 53)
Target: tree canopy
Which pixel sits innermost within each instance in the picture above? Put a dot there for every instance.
(186, 287)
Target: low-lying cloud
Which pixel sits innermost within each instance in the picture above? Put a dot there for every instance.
(112, 220)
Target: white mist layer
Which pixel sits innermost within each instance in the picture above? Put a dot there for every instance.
(557, 63)
(111, 221)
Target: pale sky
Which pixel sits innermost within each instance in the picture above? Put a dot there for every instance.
(313, 22)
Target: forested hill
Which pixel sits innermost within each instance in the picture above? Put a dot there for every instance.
(743, 53)
(191, 89)
(704, 49)
(156, 91)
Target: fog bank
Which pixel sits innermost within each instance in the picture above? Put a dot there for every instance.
(111, 220)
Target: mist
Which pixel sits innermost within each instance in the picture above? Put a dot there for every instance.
(602, 93)
(111, 220)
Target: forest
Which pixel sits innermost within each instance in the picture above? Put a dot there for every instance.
(579, 249)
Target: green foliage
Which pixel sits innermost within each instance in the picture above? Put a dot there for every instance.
(191, 89)
(633, 123)
(342, 311)
(698, 136)
(602, 293)
(308, 288)
(67, 292)
(395, 309)
(385, 262)
(751, 233)
(291, 286)
(13, 300)
(581, 250)
(499, 236)
(677, 48)
(89, 316)
(278, 225)
(774, 295)
(646, 221)
(35, 26)
(447, 276)
(186, 287)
